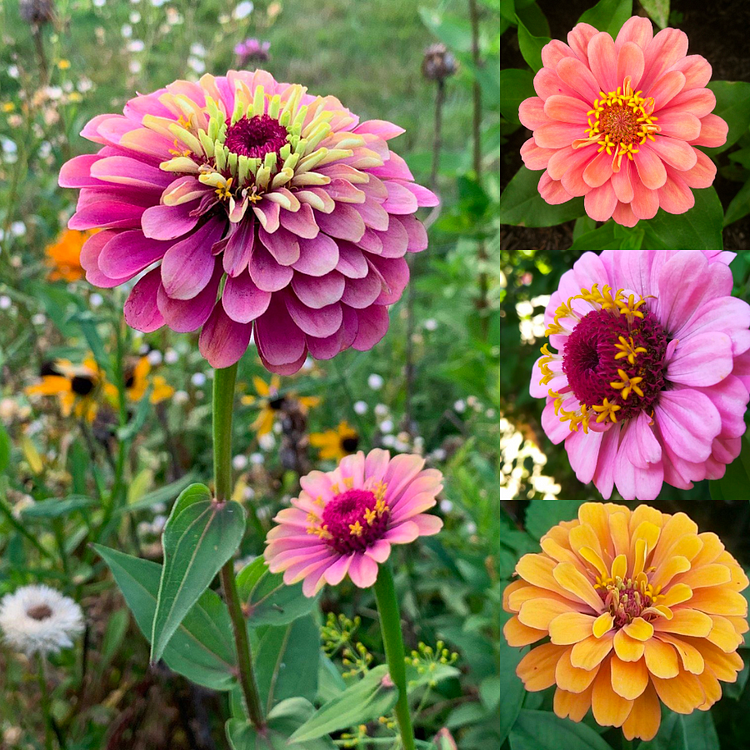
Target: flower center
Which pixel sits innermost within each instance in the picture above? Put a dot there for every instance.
(628, 598)
(82, 385)
(354, 520)
(620, 120)
(255, 137)
(613, 359)
(39, 612)
(349, 444)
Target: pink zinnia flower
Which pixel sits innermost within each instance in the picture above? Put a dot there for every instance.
(617, 122)
(257, 208)
(252, 49)
(653, 366)
(345, 521)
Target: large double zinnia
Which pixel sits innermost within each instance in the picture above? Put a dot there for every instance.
(649, 383)
(258, 208)
(617, 120)
(639, 608)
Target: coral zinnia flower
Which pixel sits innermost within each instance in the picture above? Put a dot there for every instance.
(345, 521)
(272, 403)
(639, 608)
(258, 208)
(336, 443)
(64, 256)
(617, 121)
(76, 386)
(652, 362)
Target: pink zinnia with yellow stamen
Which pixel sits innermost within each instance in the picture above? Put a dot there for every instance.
(617, 120)
(345, 521)
(255, 208)
(649, 383)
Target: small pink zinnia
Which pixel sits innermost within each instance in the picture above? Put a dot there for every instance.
(617, 121)
(257, 208)
(345, 521)
(252, 49)
(653, 366)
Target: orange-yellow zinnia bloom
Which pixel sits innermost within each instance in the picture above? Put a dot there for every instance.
(64, 256)
(639, 608)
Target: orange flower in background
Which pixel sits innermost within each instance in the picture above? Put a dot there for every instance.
(64, 256)
(640, 609)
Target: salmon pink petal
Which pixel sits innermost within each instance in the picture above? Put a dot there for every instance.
(557, 135)
(578, 39)
(650, 168)
(674, 152)
(702, 174)
(630, 62)
(141, 310)
(713, 132)
(621, 182)
(637, 30)
(553, 52)
(598, 170)
(623, 214)
(663, 51)
(534, 157)
(697, 71)
(552, 190)
(576, 75)
(603, 61)
(566, 109)
(697, 102)
(547, 83)
(681, 125)
(666, 89)
(645, 201)
(572, 179)
(563, 159)
(600, 202)
(675, 196)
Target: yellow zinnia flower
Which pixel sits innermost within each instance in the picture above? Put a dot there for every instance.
(76, 386)
(64, 256)
(335, 444)
(640, 609)
(271, 403)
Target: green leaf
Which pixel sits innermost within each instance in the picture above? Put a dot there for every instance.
(521, 204)
(367, 699)
(330, 681)
(202, 648)
(739, 206)
(508, 10)
(584, 225)
(287, 661)
(515, 86)
(268, 600)
(4, 449)
(200, 536)
(602, 238)
(542, 730)
(542, 515)
(676, 732)
(531, 46)
(117, 627)
(87, 322)
(732, 105)
(453, 31)
(697, 229)
(533, 18)
(511, 687)
(608, 15)
(437, 673)
(658, 11)
(54, 508)
(281, 724)
(733, 485)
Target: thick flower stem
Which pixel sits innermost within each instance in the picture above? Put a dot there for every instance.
(224, 380)
(390, 626)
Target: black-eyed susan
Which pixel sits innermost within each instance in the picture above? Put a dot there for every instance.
(271, 403)
(137, 382)
(75, 386)
(335, 444)
(64, 256)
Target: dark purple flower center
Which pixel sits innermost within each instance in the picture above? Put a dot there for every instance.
(602, 347)
(255, 136)
(354, 520)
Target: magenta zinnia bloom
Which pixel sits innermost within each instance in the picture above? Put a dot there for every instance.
(257, 208)
(617, 122)
(650, 380)
(345, 521)
(252, 49)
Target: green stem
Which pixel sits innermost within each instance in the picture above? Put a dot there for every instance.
(42, 674)
(390, 625)
(224, 380)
